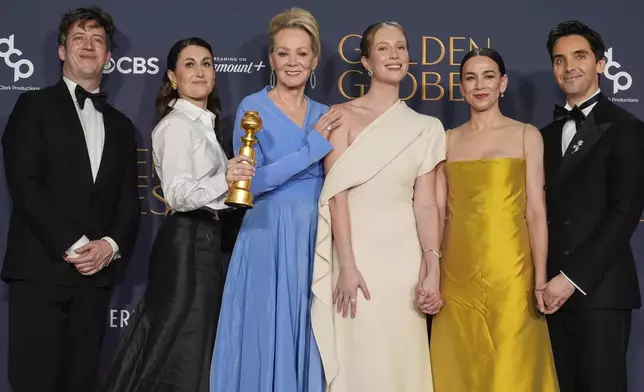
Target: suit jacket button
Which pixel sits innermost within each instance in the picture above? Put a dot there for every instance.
(548, 221)
(566, 253)
(566, 222)
(95, 201)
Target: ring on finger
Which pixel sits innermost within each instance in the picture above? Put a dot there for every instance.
(352, 299)
(235, 171)
(328, 128)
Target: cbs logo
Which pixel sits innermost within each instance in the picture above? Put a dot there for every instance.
(132, 65)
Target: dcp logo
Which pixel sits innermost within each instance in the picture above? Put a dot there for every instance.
(617, 77)
(132, 65)
(18, 66)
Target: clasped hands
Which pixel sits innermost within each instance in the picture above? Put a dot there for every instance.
(92, 257)
(552, 295)
(428, 295)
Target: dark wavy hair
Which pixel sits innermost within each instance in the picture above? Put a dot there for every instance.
(575, 27)
(82, 16)
(486, 52)
(166, 94)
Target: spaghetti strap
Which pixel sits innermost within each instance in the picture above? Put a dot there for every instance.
(447, 135)
(523, 139)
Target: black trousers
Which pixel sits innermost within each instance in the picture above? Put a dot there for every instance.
(590, 347)
(55, 335)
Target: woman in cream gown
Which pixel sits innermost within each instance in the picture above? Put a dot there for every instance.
(378, 225)
(491, 336)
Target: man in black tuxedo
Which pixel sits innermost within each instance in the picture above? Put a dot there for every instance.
(594, 163)
(70, 162)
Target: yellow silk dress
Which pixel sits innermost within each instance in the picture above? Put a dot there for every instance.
(489, 336)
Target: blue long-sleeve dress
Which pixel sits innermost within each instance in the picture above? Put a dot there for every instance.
(264, 338)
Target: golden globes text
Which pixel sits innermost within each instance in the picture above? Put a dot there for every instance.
(436, 80)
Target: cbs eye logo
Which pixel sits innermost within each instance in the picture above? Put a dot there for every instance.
(22, 68)
(132, 65)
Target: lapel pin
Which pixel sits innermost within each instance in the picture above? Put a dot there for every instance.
(577, 146)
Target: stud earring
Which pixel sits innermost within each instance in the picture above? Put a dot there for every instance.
(173, 84)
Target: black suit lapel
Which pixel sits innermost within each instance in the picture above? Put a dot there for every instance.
(74, 129)
(589, 133)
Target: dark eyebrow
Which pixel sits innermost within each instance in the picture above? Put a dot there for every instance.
(486, 71)
(578, 51)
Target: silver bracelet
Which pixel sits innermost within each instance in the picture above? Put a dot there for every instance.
(438, 254)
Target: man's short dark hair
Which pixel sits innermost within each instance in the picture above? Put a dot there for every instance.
(82, 16)
(574, 27)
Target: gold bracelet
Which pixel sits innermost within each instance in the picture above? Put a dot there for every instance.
(438, 254)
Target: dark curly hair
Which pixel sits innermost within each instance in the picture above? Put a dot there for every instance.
(574, 27)
(82, 16)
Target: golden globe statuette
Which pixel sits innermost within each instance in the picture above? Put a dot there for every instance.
(239, 194)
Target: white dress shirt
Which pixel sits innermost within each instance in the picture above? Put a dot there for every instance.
(189, 160)
(92, 123)
(567, 134)
(570, 127)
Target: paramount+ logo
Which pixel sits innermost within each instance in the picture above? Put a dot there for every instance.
(132, 66)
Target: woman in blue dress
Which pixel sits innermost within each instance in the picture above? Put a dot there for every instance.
(264, 340)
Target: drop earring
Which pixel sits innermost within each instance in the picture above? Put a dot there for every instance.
(313, 79)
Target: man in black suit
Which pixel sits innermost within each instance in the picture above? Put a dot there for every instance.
(70, 162)
(594, 162)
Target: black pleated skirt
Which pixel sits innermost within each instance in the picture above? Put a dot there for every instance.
(168, 344)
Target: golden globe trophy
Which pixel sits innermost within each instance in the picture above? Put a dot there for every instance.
(239, 194)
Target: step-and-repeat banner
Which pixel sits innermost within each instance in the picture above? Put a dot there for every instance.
(439, 32)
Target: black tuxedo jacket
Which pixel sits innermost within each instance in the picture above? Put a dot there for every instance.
(595, 198)
(55, 199)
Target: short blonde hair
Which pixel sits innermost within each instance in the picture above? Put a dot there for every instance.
(295, 18)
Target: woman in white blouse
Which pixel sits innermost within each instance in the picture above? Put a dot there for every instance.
(168, 343)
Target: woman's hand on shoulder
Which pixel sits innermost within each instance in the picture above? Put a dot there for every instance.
(240, 168)
(329, 122)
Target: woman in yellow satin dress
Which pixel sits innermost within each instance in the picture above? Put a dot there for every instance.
(491, 334)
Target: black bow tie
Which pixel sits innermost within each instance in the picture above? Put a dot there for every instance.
(99, 99)
(576, 113)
